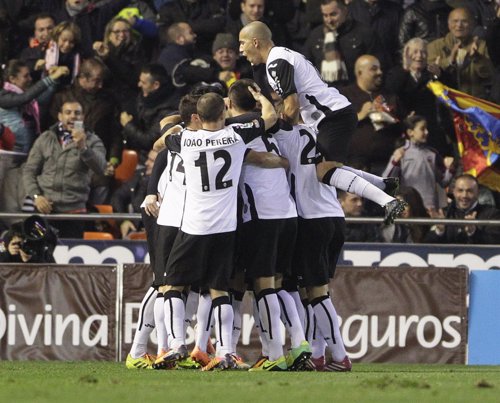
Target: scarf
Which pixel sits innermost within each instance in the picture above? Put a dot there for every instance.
(333, 67)
(29, 109)
(52, 58)
(64, 136)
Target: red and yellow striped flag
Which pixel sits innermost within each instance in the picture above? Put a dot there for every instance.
(477, 128)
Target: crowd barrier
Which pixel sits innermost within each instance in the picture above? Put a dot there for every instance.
(408, 314)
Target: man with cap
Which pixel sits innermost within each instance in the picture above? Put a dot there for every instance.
(226, 54)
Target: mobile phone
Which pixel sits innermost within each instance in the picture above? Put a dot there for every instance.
(78, 125)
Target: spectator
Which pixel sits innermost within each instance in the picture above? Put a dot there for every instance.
(463, 56)
(354, 206)
(18, 106)
(406, 233)
(226, 54)
(492, 41)
(90, 19)
(62, 50)
(378, 112)
(153, 104)
(483, 12)
(274, 14)
(425, 19)
(34, 54)
(102, 117)
(330, 45)
(383, 17)
(19, 114)
(57, 173)
(130, 195)
(420, 166)
(121, 50)
(466, 206)
(183, 64)
(409, 83)
(206, 17)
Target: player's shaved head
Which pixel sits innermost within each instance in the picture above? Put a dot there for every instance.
(210, 107)
(257, 30)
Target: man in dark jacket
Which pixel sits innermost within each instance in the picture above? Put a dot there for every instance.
(466, 206)
(153, 104)
(34, 54)
(379, 113)
(383, 17)
(334, 46)
(426, 19)
(183, 63)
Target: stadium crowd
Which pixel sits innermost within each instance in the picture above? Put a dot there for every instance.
(128, 63)
(84, 81)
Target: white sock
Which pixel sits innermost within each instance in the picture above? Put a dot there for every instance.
(161, 330)
(174, 318)
(258, 326)
(299, 306)
(269, 313)
(224, 316)
(204, 320)
(191, 307)
(291, 319)
(376, 180)
(352, 183)
(236, 301)
(328, 324)
(309, 321)
(145, 324)
(318, 345)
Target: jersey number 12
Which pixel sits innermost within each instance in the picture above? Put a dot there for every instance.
(219, 182)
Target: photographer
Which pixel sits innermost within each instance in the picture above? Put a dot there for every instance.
(12, 241)
(30, 241)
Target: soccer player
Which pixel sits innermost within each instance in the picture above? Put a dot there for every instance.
(267, 239)
(320, 237)
(204, 247)
(172, 188)
(322, 108)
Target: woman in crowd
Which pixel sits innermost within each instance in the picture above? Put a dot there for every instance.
(122, 52)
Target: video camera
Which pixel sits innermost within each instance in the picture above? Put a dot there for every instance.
(40, 239)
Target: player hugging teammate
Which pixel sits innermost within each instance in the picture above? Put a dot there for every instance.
(283, 248)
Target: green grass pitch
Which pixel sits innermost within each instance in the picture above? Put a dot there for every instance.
(22, 381)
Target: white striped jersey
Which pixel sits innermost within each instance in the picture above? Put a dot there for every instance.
(172, 189)
(265, 192)
(289, 72)
(212, 165)
(314, 199)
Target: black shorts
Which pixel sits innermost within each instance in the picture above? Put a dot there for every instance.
(201, 259)
(266, 247)
(165, 237)
(319, 243)
(335, 132)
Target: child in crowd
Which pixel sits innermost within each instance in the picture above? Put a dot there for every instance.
(63, 49)
(420, 166)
